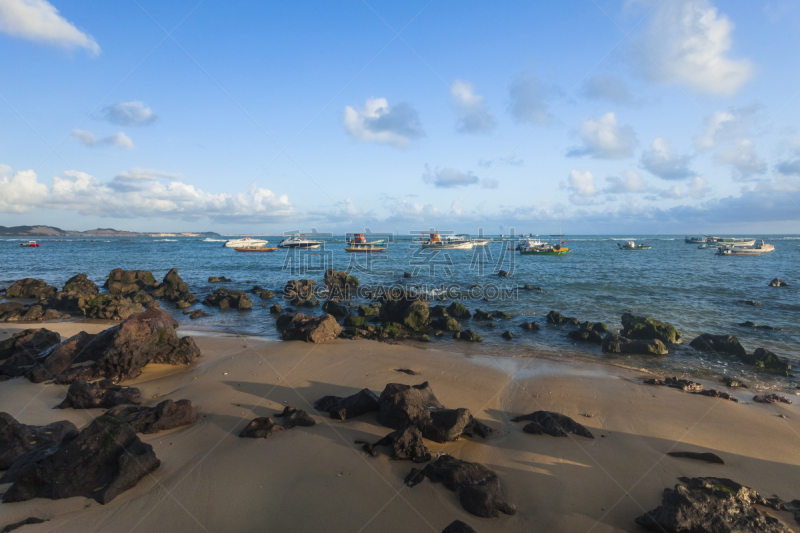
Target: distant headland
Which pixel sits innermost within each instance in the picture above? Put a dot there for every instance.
(51, 231)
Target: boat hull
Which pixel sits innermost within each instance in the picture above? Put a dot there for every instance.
(255, 249)
(552, 252)
(302, 246)
(449, 246)
(364, 250)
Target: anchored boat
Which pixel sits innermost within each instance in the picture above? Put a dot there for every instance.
(630, 245)
(299, 242)
(356, 242)
(263, 249)
(447, 242)
(247, 242)
(746, 251)
(29, 244)
(537, 247)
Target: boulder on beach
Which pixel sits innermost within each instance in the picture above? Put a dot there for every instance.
(12, 311)
(553, 424)
(293, 417)
(710, 504)
(446, 323)
(368, 311)
(771, 398)
(362, 402)
(101, 462)
(300, 327)
(19, 353)
(478, 489)
(778, 283)
(618, 344)
(17, 439)
(260, 428)
(507, 335)
(104, 393)
(644, 328)
(767, 361)
(406, 444)
(174, 289)
(73, 298)
(30, 288)
(56, 359)
(117, 307)
(721, 344)
(129, 282)
(480, 314)
(228, 299)
(166, 415)
(677, 383)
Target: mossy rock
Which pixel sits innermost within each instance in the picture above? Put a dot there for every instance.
(767, 361)
(641, 327)
(482, 315)
(367, 311)
(458, 310)
(501, 314)
(352, 321)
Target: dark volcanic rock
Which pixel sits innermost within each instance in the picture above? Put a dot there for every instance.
(641, 327)
(16, 525)
(726, 344)
(554, 317)
(618, 344)
(117, 307)
(340, 284)
(73, 298)
(228, 299)
(166, 415)
(105, 394)
(218, 279)
(404, 308)
(507, 335)
(586, 335)
(778, 283)
(299, 291)
(458, 310)
(530, 326)
(733, 383)
(753, 325)
(30, 288)
(478, 489)
(18, 354)
(710, 504)
(264, 294)
(260, 428)
(457, 526)
(364, 401)
(771, 398)
(767, 361)
(553, 424)
(446, 323)
(308, 328)
(335, 308)
(708, 457)
(405, 405)
(504, 274)
(718, 394)
(406, 443)
(275, 309)
(58, 358)
(295, 417)
(675, 383)
(101, 462)
(17, 439)
(129, 282)
(174, 289)
(467, 335)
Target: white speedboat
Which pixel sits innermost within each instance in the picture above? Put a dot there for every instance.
(247, 242)
(299, 242)
(446, 242)
(474, 241)
(746, 251)
(631, 245)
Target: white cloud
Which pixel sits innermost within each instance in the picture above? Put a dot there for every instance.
(735, 123)
(473, 116)
(605, 139)
(378, 122)
(609, 88)
(88, 138)
(130, 114)
(673, 192)
(489, 183)
(689, 43)
(510, 160)
(84, 194)
(743, 160)
(449, 178)
(714, 124)
(528, 98)
(661, 161)
(39, 21)
(581, 186)
(699, 188)
(628, 182)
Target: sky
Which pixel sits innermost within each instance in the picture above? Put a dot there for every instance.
(578, 117)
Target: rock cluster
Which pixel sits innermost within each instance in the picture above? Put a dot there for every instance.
(17, 439)
(722, 344)
(104, 393)
(406, 443)
(174, 289)
(228, 299)
(553, 424)
(362, 402)
(264, 427)
(30, 288)
(554, 317)
(641, 327)
(618, 344)
(300, 327)
(166, 415)
(19, 353)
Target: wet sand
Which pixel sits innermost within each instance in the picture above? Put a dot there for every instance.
(317, 479)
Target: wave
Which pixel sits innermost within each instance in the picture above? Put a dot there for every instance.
(213, 240)
(165, 240)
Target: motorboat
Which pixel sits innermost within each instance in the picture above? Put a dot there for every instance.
(262, 249)
(247, 242)
(730, 241)
(537, 247)
(299, 242)
(746, 251)
(447, 242)
(631, 245)
(475, 242)
(356, 242)
(29, 244)
(696, 240)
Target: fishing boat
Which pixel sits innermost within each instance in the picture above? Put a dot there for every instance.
(630, 245)
(695, 240)
(448, 242)
(474, 241)
(247, 242)
(299, 242)
(746, 251)
(29, 244)
(263, 249)
(356, 242)
(537, 247)
(730, 241)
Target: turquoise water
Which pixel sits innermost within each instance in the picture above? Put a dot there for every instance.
(693, 289)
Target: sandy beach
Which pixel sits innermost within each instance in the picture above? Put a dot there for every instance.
(317, 479)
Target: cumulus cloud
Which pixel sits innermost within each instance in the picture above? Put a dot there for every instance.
(129, 114)
(604, 138)
(629, 181)
(608, 88)
(734, 123)
(378, 122)
(39, 21)
(791, 168)
(473, 116)
(689, 43)
(528, 99)
(449, 178)
(88, 138)
(581, 186)
(489, 183)
(82, 193)
(743, 160)
(660, 160)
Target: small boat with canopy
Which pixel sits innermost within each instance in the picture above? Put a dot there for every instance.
(357, 242)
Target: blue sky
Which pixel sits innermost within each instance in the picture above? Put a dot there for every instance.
(591, 116)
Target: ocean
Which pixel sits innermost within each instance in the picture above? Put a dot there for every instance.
(691, 288)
